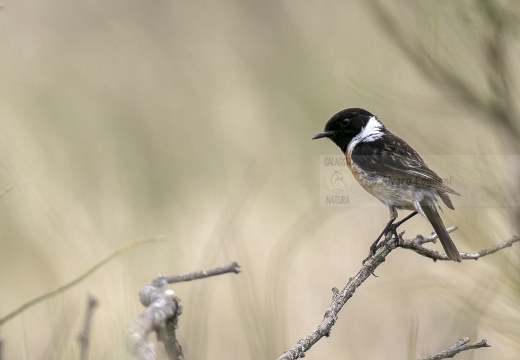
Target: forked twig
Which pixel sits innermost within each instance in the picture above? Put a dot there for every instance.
(162, 314)
(458, 347)
(340, 298)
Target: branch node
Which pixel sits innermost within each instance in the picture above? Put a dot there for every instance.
(370, 264)
(335, 292)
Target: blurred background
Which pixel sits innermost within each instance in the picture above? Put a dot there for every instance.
(193, 121)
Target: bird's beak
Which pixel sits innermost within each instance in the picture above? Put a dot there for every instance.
(323, 134)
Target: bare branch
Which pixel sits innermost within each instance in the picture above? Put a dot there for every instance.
(416, 245)
(162, 313)
(340, 298)
(231, 267)
(460, 346)
(161, 316)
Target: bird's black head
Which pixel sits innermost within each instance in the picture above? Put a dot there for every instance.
(345, 125)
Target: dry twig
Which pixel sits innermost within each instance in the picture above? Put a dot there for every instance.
(460, 346)
(162, 314)
(339, 298)
(231, 267)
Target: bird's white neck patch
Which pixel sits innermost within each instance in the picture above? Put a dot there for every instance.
(371, 131)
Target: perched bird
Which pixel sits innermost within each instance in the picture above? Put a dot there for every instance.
(389, 169)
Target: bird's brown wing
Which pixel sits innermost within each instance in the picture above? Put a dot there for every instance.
(392, 157)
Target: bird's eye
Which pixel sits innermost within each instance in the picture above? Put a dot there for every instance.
(345, 122)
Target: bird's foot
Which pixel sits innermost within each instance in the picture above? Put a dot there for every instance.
(390, 228)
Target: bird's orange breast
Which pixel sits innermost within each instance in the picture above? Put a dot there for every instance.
(354, 169)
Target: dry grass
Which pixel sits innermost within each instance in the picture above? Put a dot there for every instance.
(193, 120)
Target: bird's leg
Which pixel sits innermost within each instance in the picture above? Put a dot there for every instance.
(387, 228)
(397, 224)
(390, 227)
(393, 227)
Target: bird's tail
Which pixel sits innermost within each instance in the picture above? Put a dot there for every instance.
(431, 213)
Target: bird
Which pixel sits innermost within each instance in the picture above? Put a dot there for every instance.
(392, 171)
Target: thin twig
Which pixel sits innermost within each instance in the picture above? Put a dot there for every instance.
(84, 335)
(231, 267)
(340, 298)
(416, 245)
(79, 279)
(460, 346)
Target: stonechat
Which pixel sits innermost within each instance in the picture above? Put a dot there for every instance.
(389, 169)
